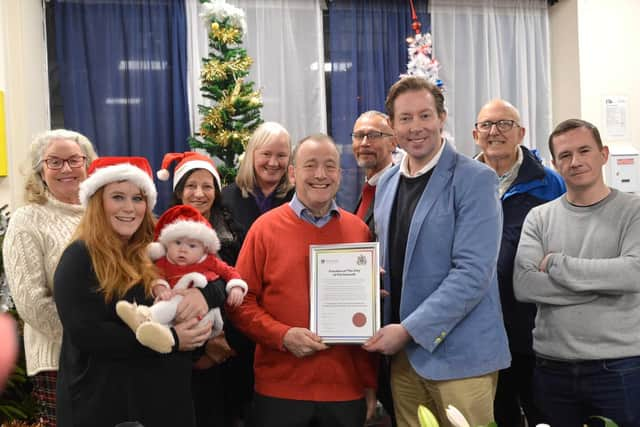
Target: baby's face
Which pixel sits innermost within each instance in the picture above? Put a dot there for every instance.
(185, 251)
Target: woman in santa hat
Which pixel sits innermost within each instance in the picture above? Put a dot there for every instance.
(105, 376)
(197, 183)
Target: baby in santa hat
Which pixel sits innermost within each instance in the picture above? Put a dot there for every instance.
(185, 252)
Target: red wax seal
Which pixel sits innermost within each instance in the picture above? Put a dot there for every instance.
(359, 319)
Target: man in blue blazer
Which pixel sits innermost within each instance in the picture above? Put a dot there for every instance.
(439, 223)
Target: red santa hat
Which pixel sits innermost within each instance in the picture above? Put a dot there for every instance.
(105, 170)
(179, 222)
(188, 160)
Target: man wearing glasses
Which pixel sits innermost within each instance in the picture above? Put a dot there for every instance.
(524, 182)
(373, 145)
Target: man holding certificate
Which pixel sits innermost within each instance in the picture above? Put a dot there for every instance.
(439, 224)
(299, 379)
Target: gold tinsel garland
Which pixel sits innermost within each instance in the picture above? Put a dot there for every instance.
(225, 35)
(215, 70)
(213, 119)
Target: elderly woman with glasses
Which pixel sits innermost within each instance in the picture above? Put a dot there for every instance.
(35, 239)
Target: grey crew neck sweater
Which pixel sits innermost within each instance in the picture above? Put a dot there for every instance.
(589, 299)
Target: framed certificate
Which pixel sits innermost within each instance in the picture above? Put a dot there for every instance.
(345, 292)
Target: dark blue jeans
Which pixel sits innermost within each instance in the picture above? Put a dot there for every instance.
(568, 393)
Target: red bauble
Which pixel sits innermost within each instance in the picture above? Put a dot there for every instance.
(416, 26)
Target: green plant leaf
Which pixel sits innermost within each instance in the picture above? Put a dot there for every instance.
(607, 422)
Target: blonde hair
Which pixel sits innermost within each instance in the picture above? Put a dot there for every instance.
(118, 267)
(35, 188)
(246, 178)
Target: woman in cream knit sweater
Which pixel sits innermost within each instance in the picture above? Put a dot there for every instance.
(37, 235)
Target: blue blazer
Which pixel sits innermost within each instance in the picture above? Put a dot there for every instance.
(450, 303)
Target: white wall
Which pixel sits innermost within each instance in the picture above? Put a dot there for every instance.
(565, 64)
(23, 78)
(594, 47)
(609, 34)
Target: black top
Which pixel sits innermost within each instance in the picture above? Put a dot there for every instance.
(368, 215)
(229, 231)
(105, 376)
(245, 209)
(407, 196)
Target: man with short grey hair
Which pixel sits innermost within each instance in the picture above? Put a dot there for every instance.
(373, 143)
(524, 182)
(299, 380)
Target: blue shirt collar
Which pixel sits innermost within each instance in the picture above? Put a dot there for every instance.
(305, 214)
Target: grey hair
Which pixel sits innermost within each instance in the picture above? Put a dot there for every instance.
(34, 190)
(373, 113)
(319, 137)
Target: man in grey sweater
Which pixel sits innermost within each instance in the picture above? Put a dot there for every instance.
(579, 261)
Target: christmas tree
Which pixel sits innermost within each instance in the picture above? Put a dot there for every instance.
(421, 63)
(234, 113)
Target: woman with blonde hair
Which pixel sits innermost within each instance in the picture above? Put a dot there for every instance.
(106, 376)
(261, 185)
(37, 234)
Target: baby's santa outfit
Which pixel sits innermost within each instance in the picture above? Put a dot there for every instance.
(150, 323)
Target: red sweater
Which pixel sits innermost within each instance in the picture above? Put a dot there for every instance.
(274, 261)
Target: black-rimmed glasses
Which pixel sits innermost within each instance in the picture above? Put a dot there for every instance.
(55, 163)
(502, 125)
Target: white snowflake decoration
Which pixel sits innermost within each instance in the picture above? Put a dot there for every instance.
(219, 10)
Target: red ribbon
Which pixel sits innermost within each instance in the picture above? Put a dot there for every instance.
(416, 25)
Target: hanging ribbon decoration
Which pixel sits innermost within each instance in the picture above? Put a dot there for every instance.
(421, 63)
(416, 25)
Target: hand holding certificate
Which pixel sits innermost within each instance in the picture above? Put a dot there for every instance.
(345, 292)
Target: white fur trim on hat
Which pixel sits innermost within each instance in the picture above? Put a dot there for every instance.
(117, 173)
(195, 164)
(237, 283)
(193, 230)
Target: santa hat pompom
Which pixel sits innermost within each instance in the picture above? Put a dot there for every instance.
(156, 250)
(163, 175)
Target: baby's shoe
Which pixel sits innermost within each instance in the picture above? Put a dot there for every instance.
(156, 336)
(131, 314)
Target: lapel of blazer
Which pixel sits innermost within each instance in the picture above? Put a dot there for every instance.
(438, 183)
(368, 215)
(384, 202)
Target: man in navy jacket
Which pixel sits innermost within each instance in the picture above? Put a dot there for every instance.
(524, 182)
